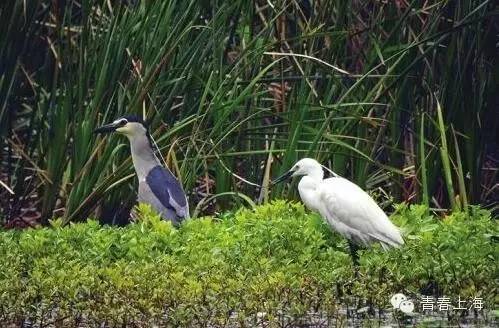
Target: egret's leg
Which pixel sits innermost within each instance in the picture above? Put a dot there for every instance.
(355, 257)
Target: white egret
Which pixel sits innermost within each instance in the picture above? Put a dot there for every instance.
(346, 207)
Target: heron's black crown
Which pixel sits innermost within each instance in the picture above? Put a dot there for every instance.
(135, 118)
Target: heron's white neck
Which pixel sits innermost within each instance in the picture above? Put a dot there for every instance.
(143, 156)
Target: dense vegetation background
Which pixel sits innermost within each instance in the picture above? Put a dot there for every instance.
(398, 96)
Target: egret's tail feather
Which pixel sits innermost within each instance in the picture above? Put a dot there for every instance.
(389, 241)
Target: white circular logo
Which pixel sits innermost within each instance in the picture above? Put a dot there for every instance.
(400, 301)
(406, 306)
(397, 299)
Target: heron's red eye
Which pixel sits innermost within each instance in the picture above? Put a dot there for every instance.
(123, 122)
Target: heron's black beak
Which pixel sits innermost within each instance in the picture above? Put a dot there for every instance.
(283, 177)
(108, 128)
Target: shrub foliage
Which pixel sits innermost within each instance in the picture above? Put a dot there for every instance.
(276, 259)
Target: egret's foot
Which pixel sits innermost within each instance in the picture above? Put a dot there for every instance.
(356, 271)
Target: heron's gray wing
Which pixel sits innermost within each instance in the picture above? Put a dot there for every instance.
(145, 195)
(168, 190)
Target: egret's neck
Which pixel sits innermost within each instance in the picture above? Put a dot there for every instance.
(317, 174)
(143, 156)
(308, 188)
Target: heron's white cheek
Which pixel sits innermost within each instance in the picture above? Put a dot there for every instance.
(124, 130)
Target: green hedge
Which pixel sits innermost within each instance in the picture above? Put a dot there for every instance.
(276, 259)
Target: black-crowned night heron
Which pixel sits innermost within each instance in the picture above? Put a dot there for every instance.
(157, 185)
(346, 207)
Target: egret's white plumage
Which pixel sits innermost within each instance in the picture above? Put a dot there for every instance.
(346, 207)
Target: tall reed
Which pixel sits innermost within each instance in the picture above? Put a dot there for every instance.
(391, 95)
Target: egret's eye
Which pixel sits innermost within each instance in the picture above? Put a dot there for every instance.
(123, 122)
(297, 167)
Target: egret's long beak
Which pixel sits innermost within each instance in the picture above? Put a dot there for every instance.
(283, 177)
(108, 128)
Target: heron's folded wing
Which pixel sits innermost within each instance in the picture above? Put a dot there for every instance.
(168, 190)
(354, 208)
